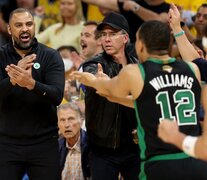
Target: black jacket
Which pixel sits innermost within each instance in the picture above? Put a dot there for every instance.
(29, 116)
(108, 124)
(84, 153)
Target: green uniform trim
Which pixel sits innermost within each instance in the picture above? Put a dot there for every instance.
(141, 132)
(191, 67)
(142, 71)
(170, 60)
(175, 156)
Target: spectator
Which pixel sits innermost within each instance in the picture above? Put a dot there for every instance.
(200, 20)
(51, 15)
(90, 40)
(90, 43)
(67, 32)
(110, 126)
(66, 54)
(74, 160)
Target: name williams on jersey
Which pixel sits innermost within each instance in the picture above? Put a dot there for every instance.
(172, 80)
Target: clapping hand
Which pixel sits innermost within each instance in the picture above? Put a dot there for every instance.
(21, 73)
(27, 61)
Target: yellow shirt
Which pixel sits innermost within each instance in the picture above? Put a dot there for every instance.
(188, 4)
(68, 35)
(94, 14)
(52, 13)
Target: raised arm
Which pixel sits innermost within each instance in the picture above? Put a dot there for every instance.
(187, 51)
(109, 4)
(143, 13)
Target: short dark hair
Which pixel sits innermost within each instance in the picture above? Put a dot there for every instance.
(19, 10)
(87, 23)
(155, 35)
(69, 48)
(204, 5)
(97, 33)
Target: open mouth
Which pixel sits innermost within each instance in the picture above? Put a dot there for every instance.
(25, 37)
(83, 46)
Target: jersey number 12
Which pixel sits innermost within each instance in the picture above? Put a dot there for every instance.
(184, 109)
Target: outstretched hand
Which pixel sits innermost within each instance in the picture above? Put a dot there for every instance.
(85, 78)
(100, 74)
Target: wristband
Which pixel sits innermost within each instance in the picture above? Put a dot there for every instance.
(188, 145)
(179, 34)
(204, 42)
(136, 8)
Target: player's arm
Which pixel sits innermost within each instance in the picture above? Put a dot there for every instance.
(109, 4)
(127, 101)
(128, 81)
(196, 71)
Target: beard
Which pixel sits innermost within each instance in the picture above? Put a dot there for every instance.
(22, 45)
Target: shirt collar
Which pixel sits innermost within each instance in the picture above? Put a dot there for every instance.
(75, 147)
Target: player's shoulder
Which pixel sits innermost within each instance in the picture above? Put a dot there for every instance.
(131, 69)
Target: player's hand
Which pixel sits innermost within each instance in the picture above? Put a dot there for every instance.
(167, 130)
(100, 74)
(84, 78)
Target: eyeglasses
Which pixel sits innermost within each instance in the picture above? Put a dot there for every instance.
(111, 35)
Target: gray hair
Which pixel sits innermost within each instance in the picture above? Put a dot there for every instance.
(70, 105)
